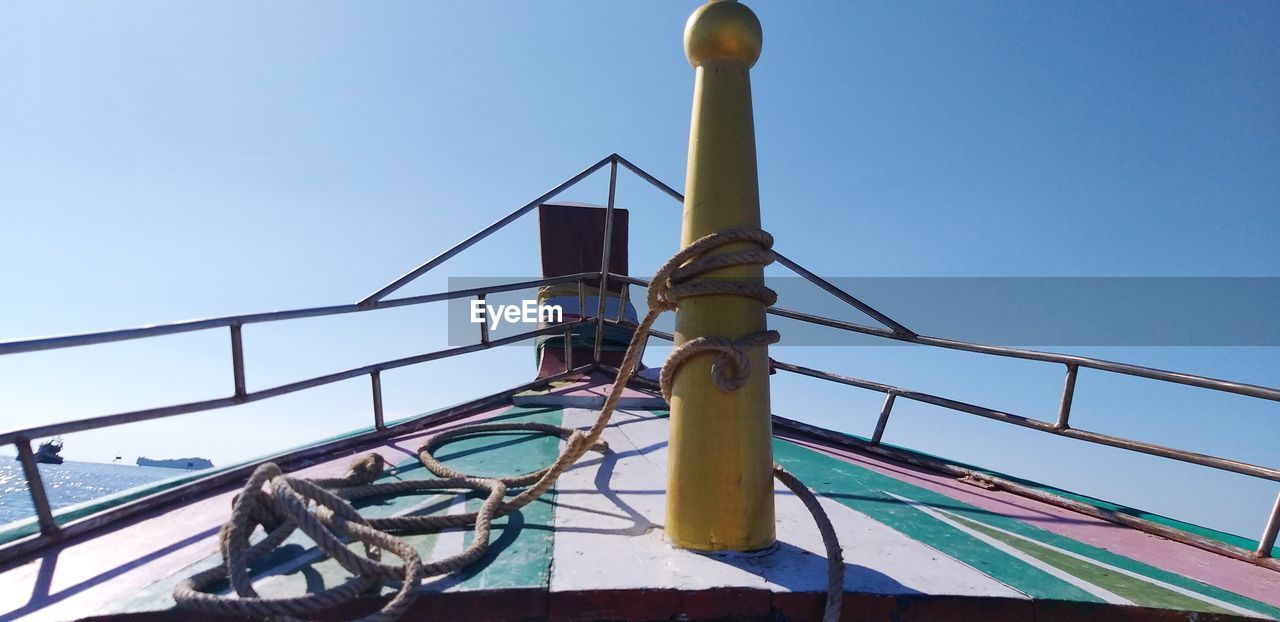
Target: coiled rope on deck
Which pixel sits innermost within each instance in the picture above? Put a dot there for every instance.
(282, 504)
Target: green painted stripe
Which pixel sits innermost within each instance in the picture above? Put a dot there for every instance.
(492, 454)
(519, 553)
(297, 557)
(1102, 555)
(1191, 528)
(1136, 590)
(866, 478)
(1114, 559)
(303, 569)
(521, 544)
(864, 491)
(1213, 534)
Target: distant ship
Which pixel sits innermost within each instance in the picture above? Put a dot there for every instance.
(177, 463)
(48, 452)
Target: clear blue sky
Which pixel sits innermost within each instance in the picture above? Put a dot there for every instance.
(162, 162)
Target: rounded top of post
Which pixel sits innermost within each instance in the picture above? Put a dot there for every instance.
(722, 30)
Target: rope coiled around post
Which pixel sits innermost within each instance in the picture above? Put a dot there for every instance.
(321, 508)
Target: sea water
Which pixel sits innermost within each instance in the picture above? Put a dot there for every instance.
(70, 483)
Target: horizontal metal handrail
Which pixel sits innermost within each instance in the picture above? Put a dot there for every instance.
(653, 332)
(1204, 382)
(1062, 427)
(92, 423)
(1058, 428)
(290, 459)
(1224, 464)
(126, 334)
(629, 280)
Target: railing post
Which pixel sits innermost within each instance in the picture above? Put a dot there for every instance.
(1268, 540)
(720, 456)
(237, 360)
(884, 417)
(582, 299)
(1068, 394)
(622, 301)
(568, 349)
(375, 378)
(604, 262)
(484, 323)
(35, 485)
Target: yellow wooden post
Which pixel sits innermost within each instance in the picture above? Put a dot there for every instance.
(720, 486)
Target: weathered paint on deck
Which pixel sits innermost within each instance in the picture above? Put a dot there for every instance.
(620, 494)
(1233, 575)
(914, 541)
(90, 575)
(916, 510)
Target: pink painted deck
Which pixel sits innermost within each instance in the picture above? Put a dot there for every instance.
(1235, 575)
(918, 545)
(79, 578)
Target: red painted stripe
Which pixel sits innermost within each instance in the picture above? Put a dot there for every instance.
(1237, 576)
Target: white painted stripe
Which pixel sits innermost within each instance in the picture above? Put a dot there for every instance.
(1168, 586)
(610, 511)
(869, 545)
(448, 542)
(1105, 595)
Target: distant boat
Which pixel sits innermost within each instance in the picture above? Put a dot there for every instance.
(190, 464)
(48, 452)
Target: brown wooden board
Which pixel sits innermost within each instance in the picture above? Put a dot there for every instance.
(572, 238)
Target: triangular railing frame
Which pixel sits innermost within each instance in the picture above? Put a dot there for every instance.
(51, 531)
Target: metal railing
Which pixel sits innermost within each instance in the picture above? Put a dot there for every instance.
(1060, 427)
(22, 438)
(891, 329)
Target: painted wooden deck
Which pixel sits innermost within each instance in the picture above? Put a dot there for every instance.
(918, 545)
